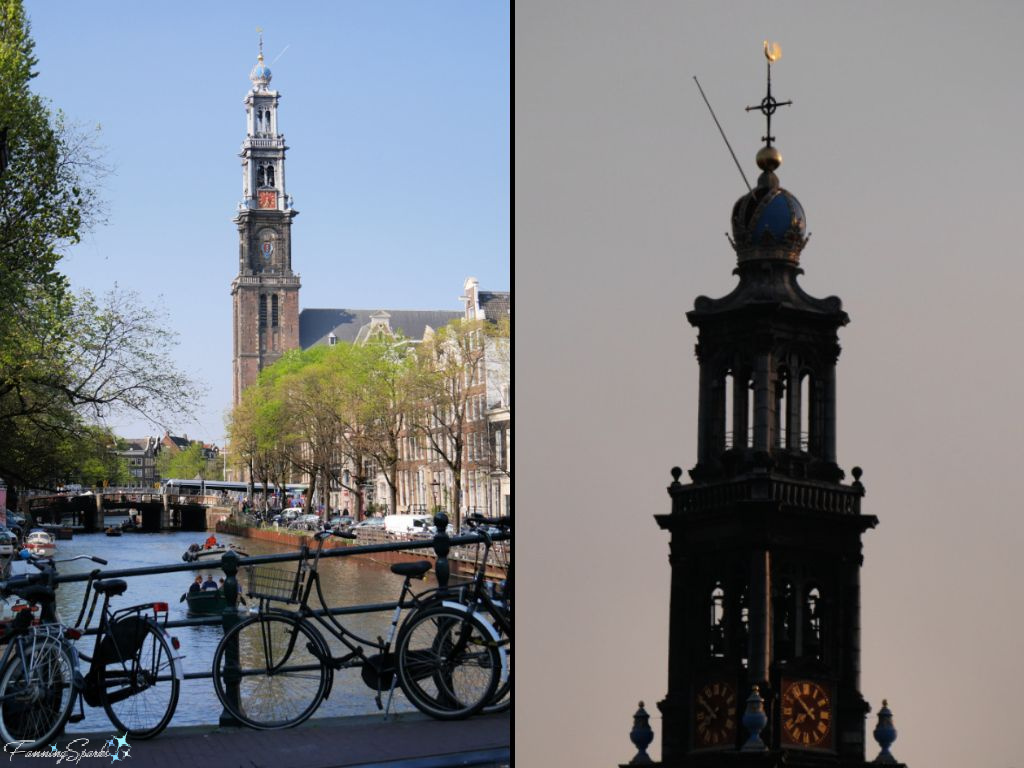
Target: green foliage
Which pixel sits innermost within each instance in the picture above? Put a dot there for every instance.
(65, 362)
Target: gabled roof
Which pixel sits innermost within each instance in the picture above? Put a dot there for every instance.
(495, 304)
(315, 325)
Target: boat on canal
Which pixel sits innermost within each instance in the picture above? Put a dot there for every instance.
(113, 531)
(197, 553)
(209, 603)
(40, 543)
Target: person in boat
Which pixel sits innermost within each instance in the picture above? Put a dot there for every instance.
(209, 583)
(211, 541)
(196, 586)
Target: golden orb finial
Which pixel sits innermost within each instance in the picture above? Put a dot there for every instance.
(769, 158)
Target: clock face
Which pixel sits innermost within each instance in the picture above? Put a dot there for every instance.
(714, 713)
(268, 198)
(806, 714)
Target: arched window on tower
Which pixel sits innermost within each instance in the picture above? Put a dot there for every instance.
(716, 628)
(785, 612)
(263, 311)
(270, 175)
(266, 122)
(729, 411)
(744, 634)
(805, 411)
(812, 623)
(261, 180)
(273, 310)
(781, 407)
(259, 122)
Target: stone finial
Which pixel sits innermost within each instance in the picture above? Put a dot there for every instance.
(641, 736)
(754, 720)
(885, 734)
(676, 474)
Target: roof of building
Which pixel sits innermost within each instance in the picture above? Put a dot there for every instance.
(315, 325)
(181, 443)
(495, 304)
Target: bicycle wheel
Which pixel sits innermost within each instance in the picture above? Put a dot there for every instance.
(136, 678)
(36, 695)
(502, 698)
(449, 664)
(282, 680)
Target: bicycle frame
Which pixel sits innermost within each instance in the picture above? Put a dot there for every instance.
(106, 648)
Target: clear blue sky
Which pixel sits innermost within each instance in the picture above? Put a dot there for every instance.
(397, 118)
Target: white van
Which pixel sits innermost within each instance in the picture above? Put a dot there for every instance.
(407, 523)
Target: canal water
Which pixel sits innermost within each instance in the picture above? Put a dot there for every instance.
(346, 581)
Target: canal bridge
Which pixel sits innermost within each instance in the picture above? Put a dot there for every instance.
(155, 511)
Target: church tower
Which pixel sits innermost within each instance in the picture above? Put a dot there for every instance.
(766, 540)
(265, 294)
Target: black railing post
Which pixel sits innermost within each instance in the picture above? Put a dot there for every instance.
(442, 545)
(229, 618)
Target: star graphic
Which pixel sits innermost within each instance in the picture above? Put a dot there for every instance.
(53, 747)
(122, 741)
(114, 758)
(110, 743)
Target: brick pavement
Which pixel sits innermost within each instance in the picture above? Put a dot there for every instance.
(409, 739)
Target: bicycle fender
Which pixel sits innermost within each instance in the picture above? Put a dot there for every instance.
(490, 630)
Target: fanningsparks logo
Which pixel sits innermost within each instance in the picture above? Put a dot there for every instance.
(116, 748)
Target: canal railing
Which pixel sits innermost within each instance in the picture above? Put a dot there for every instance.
(231, 561)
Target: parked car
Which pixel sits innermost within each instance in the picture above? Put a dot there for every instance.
(369, 524)
(341, 522)
(8, 542)
(407, 523)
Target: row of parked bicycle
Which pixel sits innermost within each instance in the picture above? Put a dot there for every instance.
(450, 654)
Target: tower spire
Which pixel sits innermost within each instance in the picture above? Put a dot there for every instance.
(259, 31)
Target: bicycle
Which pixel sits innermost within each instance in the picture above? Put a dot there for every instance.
(274, 669)
(133, 673)
(435, 630)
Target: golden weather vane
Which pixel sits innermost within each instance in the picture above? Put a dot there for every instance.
(768, 105)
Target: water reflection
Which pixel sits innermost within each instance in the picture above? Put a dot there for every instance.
(346, 580)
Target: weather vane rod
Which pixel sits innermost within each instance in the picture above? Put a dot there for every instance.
(768, 105)
(727, 144)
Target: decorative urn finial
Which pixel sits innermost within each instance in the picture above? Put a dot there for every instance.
(641, 736)
(754, 720)
(885, 734)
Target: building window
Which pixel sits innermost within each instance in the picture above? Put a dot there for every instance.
(273, 310)
(332, 339)
(263, 310)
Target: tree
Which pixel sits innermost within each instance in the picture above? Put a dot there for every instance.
(450, 370)
(65, 362)
(391, 367)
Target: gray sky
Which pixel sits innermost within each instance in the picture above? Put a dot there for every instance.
(904, 146)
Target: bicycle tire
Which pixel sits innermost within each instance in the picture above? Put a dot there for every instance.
(137, 677)
(273, 694)
(449, 664)
(502, 698)
(36, 702)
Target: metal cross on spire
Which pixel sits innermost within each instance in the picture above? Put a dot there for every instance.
(768, 105)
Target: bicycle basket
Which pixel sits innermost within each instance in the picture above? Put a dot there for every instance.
(266, 583)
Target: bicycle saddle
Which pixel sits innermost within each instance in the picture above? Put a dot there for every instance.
(112, 587)
(411, 569)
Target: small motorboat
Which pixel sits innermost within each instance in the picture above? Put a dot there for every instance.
(113, 531)
(208, 603)
(40, 543)
(200, 553)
